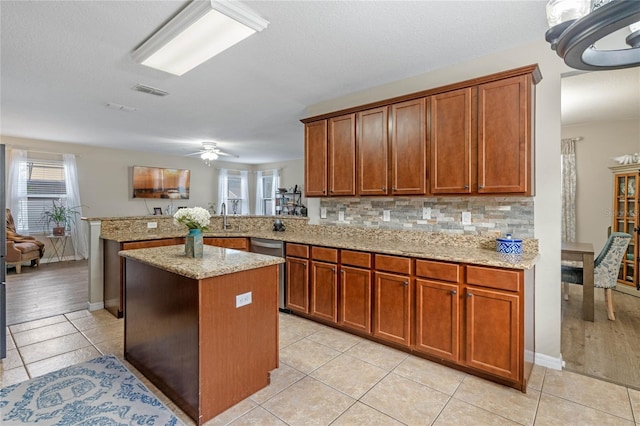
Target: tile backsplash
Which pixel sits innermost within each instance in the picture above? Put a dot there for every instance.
(489, 215)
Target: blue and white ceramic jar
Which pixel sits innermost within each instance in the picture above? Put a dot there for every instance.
(509, 245)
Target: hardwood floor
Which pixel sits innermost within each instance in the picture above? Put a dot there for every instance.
(609, 350)
(48, 290)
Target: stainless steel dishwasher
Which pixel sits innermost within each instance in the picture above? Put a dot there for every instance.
(273, 248)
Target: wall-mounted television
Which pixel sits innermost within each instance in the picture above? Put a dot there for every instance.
(157, 182)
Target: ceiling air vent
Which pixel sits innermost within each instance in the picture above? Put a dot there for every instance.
(150, 90)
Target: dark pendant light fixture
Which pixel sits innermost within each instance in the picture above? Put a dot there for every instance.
(576, 25)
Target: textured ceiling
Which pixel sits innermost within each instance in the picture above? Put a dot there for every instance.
(63, 61)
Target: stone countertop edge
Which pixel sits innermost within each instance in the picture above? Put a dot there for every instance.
(216, 261)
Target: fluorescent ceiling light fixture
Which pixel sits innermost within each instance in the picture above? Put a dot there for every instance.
(200, 31)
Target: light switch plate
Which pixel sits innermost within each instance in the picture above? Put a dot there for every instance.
(341, 216)
(386, 215)
(426, 212)
(243, 299)
(152, 225)
(323, 212)
(466, 218)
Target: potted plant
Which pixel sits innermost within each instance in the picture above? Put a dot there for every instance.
(61, 216)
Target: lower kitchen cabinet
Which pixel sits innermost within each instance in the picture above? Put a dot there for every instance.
(437, 319)
(392, 308)
(324, 291)
(492, 332)
(298, 284)
(355, 299)
(232, 243)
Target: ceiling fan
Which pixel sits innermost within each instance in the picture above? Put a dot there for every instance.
(211, 152)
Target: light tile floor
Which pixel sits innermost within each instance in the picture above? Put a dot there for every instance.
(330, 377)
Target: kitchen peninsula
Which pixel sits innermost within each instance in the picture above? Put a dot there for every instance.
(204, 331)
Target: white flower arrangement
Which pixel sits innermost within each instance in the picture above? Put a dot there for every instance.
(193, 218)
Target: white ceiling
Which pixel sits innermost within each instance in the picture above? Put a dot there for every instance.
(63, 61)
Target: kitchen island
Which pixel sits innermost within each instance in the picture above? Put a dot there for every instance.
(204, 331)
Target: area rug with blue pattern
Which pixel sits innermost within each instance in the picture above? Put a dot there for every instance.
(97, 392)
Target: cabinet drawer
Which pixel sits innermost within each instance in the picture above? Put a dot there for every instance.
(151, 243)
(355, 258)
(298, 250)
(442, 271)
(502, 279)
(400, 265)
(232, 243)
(325, 254)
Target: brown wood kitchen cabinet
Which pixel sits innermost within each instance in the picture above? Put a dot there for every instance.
(408, 148)
(438, 309)
(373, 151)
(355, 291)
(315, 159)
(324, 284)
(114, 271)
(297, 261)
(494, 321)
(452, 142)
(392, 300)
(342, 155)
(505, 155)
(238, 243)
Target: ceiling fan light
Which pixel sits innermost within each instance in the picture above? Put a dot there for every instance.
(635, 27)
(209, 156)
(559, 11)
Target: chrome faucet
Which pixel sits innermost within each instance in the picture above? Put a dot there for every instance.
(223, 212)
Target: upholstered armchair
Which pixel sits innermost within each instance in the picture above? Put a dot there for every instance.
(21, 248)
(605, 268)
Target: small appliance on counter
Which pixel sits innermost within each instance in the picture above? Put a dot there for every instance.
(509, 245)
(278, 226)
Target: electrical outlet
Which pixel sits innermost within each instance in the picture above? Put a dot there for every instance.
(426, 213)
(243, 299)
(152, 225)
(341, 216)
(323, 212)
(466, 218)
(386, 215)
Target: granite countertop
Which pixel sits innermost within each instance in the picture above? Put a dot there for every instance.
(216, 261)
(439, 249)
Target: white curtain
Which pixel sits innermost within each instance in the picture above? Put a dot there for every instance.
(244, 192)
(222, 190)
(568, 190)
(78, 231)
(259, 194)
(274, 189)
(17, 188)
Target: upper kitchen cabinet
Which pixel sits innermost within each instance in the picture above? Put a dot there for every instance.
(505, 155)
(342, 155)
(315, 159)
(408, 148)
(452, 142)
(373, 151)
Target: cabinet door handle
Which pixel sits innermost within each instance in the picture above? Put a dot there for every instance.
(383, 189)
(466, 187)
(480, 186)
(333, 269)
(469, 294)
(405, 283)
(453, 292)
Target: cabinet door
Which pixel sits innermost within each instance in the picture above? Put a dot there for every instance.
(504, 136)
(373, 152)
(492, 327)
(392, 308)
(342, 155)
(408, 148)
(315, 159)
(437, 324)
(625, 204)
(324, 291)
(450, 142)
(355, 299)
(298, 284)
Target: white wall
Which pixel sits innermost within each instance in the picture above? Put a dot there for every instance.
(547, 136)
(594, 193)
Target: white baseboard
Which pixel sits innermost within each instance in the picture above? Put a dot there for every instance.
(55, 259)
(95, 306)
(549, 361)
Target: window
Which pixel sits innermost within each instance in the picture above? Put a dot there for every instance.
(267, 189)
(45, 182)
(233, 191)
(266, 184)
(234, 194)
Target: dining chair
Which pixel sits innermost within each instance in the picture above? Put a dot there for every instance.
(605, 269)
